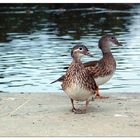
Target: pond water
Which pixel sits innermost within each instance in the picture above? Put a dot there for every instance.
(35, 45)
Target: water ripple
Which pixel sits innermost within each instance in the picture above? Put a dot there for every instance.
(31, 59)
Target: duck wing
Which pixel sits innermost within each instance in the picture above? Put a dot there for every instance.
(87, 64)
(60, 79)
(91, 63)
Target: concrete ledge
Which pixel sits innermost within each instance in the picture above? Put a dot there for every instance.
(48, 114)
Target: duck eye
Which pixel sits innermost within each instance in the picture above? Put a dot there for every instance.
(112, 37)
(80, 48)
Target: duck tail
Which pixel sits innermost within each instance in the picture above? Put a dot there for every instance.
(58, 80)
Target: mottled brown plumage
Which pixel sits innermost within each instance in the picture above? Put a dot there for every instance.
(77, 83)
(77, 74)
(103, 69)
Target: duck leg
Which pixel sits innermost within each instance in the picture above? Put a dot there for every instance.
(73, 108)
(85, 109)
(79, 111)
(76, 111)
(98, 96)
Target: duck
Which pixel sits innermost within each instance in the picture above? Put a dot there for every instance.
(102, 70)
(77, 83)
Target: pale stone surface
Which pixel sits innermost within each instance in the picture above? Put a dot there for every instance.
(48, 114)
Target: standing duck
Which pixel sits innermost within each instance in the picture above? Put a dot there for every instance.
(103, 69)
(77, 83)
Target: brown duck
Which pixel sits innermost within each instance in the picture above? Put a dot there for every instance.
(103, 69)
(77, 83)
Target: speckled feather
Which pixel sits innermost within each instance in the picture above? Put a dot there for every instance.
(77, 82)
(77, 73)
(103, 67)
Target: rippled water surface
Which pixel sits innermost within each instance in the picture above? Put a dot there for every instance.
(35, 45)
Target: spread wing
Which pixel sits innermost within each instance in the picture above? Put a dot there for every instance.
(97, 68)
(87, 64)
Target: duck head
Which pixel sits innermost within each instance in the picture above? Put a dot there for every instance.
(106, 41)
(79, 50)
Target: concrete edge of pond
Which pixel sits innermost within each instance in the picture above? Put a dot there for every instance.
(49, 114)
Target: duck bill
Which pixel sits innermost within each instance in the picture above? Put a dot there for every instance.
(89, 54)
(118, 43)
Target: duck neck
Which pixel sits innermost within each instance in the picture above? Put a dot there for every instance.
(106, 51)
(76, 59)
(105, 47)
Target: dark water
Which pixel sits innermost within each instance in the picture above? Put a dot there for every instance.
(35, 44)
